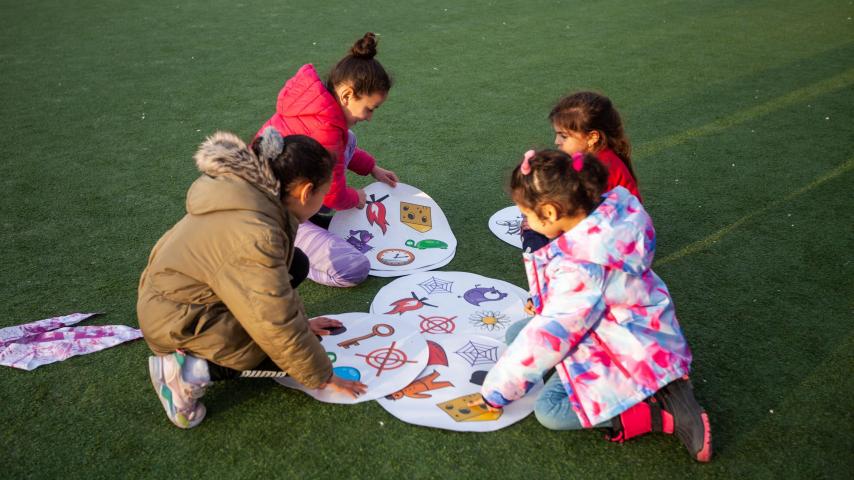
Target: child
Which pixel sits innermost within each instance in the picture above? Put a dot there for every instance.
(603, 318)
(354, 89)
(587, 122)
(217, 298)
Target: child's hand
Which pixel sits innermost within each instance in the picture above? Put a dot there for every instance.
(529, 308)
(386, 176)
(348, 387)
(362, 198)
(320, 325)
(482, 403)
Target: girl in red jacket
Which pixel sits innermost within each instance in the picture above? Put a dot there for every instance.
(325, 111)
(587, 122)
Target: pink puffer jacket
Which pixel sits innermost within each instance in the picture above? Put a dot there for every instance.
(306, 107)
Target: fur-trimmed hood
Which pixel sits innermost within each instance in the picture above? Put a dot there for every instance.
(224, 152)
(217, 282)
(235, 178)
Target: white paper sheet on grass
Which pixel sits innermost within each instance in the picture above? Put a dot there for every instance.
(400, 230)
(385, 363)
(452, 303)
(505, 224)
(455, 369)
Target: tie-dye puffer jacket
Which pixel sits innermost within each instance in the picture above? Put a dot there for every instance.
(605, 320)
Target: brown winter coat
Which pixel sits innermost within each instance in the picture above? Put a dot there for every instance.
(217, 284)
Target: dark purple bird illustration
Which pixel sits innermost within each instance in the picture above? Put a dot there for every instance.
(478, 295)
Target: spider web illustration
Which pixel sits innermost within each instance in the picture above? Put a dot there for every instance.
(436, 285)
(478, 354)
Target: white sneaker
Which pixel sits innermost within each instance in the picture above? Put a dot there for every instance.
(178, 396)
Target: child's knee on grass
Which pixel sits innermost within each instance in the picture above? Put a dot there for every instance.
(355, 270)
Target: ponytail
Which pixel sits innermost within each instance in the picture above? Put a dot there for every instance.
(572, 185)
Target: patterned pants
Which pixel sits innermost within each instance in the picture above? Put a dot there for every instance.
(332, 261)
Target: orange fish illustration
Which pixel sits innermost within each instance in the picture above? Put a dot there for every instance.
(417, 388)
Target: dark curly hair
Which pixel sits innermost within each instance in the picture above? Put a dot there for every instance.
(588, 111)
(553, 180)
(301, 158)
(360, 69)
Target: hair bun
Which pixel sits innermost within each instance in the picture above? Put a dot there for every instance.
(365, 47)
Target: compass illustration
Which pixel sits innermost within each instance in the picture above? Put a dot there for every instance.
(395, 257)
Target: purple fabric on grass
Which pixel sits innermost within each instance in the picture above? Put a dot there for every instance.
(51, 340)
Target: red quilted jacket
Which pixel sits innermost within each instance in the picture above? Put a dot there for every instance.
(305, 107)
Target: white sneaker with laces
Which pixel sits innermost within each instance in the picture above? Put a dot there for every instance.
(178, 394)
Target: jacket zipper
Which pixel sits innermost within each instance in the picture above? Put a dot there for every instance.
(537, 283)
(610, 354)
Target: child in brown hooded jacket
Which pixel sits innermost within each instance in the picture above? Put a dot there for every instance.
(217, 298)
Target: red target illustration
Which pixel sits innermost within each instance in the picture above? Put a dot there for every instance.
(437, 324)
(388, 358)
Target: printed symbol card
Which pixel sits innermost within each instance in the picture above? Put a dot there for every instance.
(440, 396)
(372, 349)
(401, 230)
(447, 303)
(506, 224)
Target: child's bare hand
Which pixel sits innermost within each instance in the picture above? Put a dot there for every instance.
(482, 403)
(347, 387)
(529, 308)
(321, 325)
(362, 198)
(386, 176)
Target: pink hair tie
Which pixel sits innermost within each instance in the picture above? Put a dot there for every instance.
(577, 161)
(525, 168)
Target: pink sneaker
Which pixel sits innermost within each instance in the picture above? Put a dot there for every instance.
(178, 396)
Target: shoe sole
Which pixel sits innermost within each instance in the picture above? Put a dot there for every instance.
(158, 381)
(705, 454)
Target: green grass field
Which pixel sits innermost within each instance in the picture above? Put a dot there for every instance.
(740, 114)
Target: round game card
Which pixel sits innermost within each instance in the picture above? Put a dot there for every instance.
(451, 303)
(370, 349)
(400, 230)
(506, 224)
(455, 371)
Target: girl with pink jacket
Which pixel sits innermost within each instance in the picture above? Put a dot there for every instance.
(325, 111)
(602, 318)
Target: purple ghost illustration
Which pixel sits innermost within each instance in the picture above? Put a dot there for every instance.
(478, 295)
(360, 239)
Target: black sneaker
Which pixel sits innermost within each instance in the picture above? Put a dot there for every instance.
(691, 422)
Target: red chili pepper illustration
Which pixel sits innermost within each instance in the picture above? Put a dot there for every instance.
(375, 211)
(407, 304)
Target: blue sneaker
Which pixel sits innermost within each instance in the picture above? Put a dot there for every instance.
(178, 396)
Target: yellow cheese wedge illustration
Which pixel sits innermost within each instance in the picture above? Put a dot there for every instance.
(416, 216)
(459, 409)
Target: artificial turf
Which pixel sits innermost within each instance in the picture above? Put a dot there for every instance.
(740, 114)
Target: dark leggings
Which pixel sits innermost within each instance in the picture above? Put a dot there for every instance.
(533, 241)
(299, 268)
(298, 272)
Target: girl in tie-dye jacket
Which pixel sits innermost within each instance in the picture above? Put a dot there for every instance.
(604, 320)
